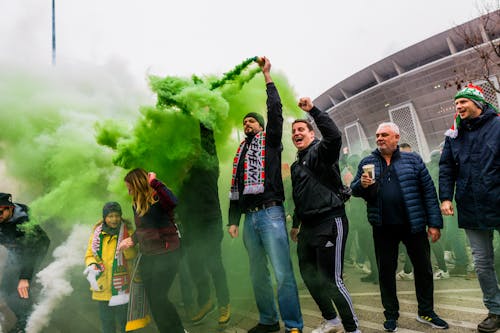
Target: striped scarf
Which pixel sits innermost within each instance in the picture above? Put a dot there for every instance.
(254, 167)
(120, 276)
(139, 312)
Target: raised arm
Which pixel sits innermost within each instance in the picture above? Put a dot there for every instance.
(274, 128)
(166, 197)
(329, 147)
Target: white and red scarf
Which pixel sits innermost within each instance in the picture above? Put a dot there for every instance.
(121, 278)
(254, 165)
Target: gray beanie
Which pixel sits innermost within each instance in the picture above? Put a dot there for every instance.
(111, 207)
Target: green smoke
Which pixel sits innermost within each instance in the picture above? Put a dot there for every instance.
(64, 132)
(166, 137)
(69, 137)
(48, 146)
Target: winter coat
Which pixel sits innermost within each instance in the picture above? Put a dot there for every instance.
(109, 243)
(417, 188)
(28, 244)
(470, 167)
(199, 195)
(156, 231)
(314, 196)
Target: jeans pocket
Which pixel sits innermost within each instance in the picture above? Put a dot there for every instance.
(275, 213)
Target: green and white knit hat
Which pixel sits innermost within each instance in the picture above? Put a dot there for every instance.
(475, 94)
(472, 92)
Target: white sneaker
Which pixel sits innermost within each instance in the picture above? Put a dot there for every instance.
(448, 257)
(402, 276)
(326, 327)
(440, 275)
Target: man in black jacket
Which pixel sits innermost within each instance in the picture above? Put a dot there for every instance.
(321, 215)
(26, 246)
(257, 192)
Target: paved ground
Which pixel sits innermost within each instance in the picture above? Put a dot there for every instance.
(457, 300)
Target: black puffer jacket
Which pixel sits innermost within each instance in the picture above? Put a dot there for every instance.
(313, 196)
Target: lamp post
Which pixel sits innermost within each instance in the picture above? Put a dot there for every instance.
(53, 32)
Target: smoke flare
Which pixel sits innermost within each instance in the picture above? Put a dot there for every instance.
(54, 278)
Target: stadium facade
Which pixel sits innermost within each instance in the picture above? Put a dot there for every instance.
(415, 87)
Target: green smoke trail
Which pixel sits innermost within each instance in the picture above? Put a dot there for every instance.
(65, 132)
(48, 145)
(165, 137)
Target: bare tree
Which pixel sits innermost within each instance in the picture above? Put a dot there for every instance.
(484, 40)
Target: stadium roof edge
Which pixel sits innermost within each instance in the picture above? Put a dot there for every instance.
(421, 54)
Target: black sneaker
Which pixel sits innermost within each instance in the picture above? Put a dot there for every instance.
(433, 320)
(263, 328)
(490, 324)
(391, 325)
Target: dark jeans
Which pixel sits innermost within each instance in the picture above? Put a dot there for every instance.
(187, 285)
(203, 243)
(111, 315)
(387, 239)
(158, 273)
(21, 307)
(321, 259)
(438, 251)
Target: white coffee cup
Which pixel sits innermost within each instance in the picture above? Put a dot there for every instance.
(369, 169)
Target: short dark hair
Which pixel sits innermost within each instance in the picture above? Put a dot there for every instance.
(404, 145)
(305, 121)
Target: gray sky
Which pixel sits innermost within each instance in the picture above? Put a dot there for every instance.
(314, 43)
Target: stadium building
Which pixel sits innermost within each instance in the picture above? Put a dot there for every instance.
(415, 87)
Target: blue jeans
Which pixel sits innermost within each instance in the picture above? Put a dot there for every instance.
(265, 236)
(481, 243)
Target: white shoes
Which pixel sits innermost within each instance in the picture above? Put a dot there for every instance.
(326, 327)
(402, 276)
(440, 275)
(448, 257)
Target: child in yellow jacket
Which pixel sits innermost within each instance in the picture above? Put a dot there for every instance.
(108, 270)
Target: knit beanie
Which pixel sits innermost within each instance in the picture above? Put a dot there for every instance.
(472, 92)
(6, 200)
(111, 207)
(475, 94)
(257, 117)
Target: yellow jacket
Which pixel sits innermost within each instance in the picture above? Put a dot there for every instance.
(109, 243)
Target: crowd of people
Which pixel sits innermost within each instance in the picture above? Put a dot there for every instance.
(394, 201)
